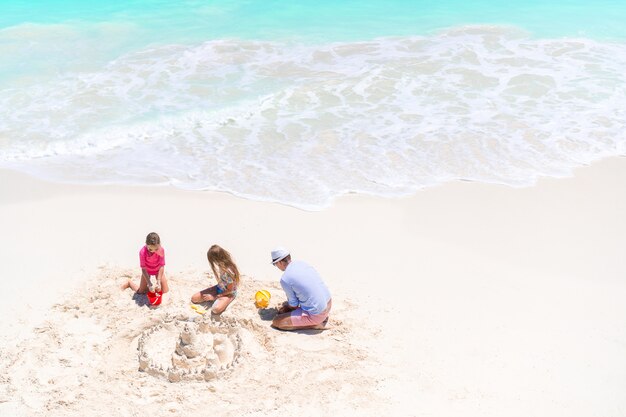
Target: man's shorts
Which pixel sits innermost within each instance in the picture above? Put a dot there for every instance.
(300, 317)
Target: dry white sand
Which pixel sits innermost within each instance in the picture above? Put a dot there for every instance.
(463, 300)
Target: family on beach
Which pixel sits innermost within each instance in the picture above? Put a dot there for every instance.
(308, 299)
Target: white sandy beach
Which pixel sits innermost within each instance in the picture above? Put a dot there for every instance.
(464, 300)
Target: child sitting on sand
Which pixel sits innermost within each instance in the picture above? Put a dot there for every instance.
(152, 263)
(227, 275)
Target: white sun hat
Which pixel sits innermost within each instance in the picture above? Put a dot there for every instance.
(279, 254)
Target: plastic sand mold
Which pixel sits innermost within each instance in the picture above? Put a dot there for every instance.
(198, 309)
(155, 298)
(262, 299)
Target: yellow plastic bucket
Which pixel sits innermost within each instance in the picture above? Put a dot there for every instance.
(262, 299)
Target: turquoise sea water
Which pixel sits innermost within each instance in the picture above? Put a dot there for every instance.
(327, 20)
(325, 97)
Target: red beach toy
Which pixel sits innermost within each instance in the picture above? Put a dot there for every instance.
(154, 298)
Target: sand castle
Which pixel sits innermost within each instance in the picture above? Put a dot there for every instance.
(180, 349)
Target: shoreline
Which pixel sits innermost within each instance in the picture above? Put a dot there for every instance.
(477, 297)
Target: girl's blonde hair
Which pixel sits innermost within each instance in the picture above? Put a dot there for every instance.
(220, 257)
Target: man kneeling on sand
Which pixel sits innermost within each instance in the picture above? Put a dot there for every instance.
(308, 299)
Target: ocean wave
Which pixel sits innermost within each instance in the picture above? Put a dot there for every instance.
(301, 124)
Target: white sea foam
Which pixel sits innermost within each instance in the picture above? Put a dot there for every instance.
(301, 124)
